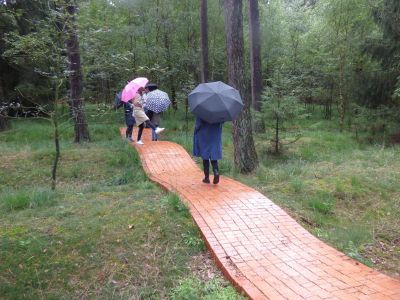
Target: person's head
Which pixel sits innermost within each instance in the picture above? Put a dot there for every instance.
(141, 90)
(151, 87)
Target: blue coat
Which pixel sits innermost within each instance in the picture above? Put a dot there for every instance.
(207, 140)
(129, 118)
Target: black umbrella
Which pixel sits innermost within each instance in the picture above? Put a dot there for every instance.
(215, 102)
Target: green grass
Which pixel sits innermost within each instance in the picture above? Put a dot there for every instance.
(107, 232)
(344, 191)
(322, 203)
(24, 198)
(193, 288)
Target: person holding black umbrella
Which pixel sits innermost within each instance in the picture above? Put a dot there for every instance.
(207, 144)
(213, 103)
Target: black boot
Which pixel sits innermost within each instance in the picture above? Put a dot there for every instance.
(206, 179)
(216, 177)
(216, 171)
(206, 167)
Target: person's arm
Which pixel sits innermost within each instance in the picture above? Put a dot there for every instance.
(198, 124)
(137, 102)
(144, 96)
(117, 101)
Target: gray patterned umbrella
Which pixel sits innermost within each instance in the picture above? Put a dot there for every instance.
(157, 101)
(215, 102)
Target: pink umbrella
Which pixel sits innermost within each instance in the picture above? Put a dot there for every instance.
(132, 87)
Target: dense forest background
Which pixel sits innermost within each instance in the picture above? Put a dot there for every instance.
(342, 56)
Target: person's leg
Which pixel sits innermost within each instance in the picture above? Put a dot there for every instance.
(129, 130)
(156, 121)
(206, 168)
(155, 135)
(140, 131)
(214, 164)
(153, 130)
(151, 125)
(148, 114)
(157, 130)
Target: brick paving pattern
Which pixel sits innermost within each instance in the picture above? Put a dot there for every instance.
(262, 250)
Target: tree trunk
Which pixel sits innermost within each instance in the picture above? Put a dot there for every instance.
(158, 24)
(54, 119)
(342, 98)
(245, 155)
(73, 53)
(3, 94)
(255, 55)
(4, 123)
(204, 41)
(57, 154)
(328, 103)
(57, 145)
(171, 76)
(277, 135)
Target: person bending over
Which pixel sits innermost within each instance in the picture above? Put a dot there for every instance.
(141, 118)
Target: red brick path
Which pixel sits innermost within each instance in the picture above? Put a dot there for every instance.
(258, 246)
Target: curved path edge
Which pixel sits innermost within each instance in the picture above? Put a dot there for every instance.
(264, 252)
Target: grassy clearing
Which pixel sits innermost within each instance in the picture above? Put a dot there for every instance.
(345, 192)
(106, 233)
